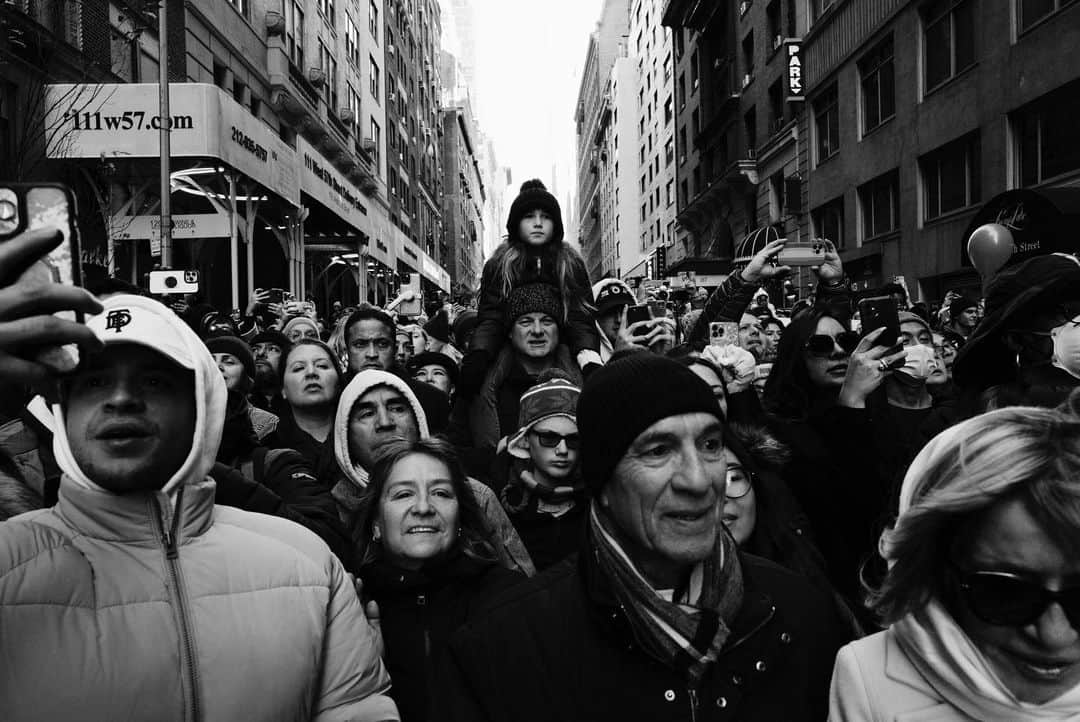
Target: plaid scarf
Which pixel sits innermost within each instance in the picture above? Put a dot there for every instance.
(685, 637)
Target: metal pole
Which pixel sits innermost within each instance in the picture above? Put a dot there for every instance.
(234, 243)
(165, 123)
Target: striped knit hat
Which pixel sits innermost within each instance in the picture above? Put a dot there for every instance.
(553, 395)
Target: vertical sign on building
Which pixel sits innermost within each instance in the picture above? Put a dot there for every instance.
(793, 55)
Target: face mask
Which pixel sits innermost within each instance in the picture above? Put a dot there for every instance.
(1067, 347)
(919, 364)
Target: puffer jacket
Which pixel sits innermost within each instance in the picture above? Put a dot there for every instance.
(159, 605)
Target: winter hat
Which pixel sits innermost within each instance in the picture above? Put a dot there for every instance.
(625, 397)
(554, 394)
(298, 321)
(534, 298)
(534, 196)
(236, 347)
(438, 327)
(610, 294)
(433, 358)
(961, 302)
(465, 322)
(271, 336)
(909, 317)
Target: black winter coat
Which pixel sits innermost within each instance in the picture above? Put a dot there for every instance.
(558, 649)
(420, 610)
(492, 327)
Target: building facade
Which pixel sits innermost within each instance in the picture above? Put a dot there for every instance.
(920, 112)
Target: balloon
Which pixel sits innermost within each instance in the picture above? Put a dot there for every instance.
(989, 247)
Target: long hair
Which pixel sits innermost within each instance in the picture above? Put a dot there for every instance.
(1020, 453)
(473, 538)
(789, 393)
(512, 257)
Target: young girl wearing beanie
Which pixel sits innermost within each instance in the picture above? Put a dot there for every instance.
(534, 251)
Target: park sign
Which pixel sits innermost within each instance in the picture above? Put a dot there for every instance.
(796, 91)
(117, 121)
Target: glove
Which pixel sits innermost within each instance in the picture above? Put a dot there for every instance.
(474, 368)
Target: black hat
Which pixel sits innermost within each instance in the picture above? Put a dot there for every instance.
(625, 397)
(465, 322)
(610, 294)
(533, 298)
(439, 326)
(433, 358)
(271, 336)
(960, 303)
(534, 196)
(236, 347)
(1011, 297)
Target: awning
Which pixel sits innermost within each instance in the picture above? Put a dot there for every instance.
(1042, 221)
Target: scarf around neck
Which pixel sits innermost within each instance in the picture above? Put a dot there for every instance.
(954, 667)
(685, 636)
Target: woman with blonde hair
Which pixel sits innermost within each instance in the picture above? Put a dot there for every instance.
(982, 595)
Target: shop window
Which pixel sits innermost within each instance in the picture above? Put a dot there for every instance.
(950, 177)
(828, 220)
(948, 40)
(878, 205)
(1044, 136)
(827, 123)
(878, 85)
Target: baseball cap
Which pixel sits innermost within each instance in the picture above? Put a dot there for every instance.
(142, 321)
(610, 294)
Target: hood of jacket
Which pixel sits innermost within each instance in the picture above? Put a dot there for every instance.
(135, 319)
(360, 385)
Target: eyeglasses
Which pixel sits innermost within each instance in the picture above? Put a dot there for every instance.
(551, 439)
(1008, 600)
(739, 482)
(822, 344)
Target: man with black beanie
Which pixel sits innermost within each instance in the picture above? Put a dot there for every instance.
(659, 616)
(269, 349)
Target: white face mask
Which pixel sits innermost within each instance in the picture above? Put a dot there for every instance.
(1067, 347)
(920, 362)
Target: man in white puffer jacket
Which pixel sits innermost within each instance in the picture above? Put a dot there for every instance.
(135, 597)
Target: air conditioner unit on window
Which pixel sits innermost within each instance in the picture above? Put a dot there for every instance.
(747, 79)
(777, 41)
(368, 146)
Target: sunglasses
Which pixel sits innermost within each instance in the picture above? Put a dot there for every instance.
(1009, 600)
(551, 439)
(822, 344)
(739, 482)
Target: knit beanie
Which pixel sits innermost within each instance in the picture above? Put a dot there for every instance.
(439, 327)
(627, 396)
(465, 322)
(298, 321)
(433, 358)
(961, 302)
(236, 347)
(534, 196)
(534, 298)
(554, 394)
(271, 336)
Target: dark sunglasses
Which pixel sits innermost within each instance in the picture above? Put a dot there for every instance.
(551, 439)
(1009, 600)
(822, 344)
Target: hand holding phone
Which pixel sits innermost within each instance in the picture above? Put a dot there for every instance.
(638, 314)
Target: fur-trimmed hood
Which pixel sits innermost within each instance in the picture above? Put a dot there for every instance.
(766, 451)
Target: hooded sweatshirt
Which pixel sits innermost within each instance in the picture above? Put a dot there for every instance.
(164, 606)
(606, 348)
(349, 491)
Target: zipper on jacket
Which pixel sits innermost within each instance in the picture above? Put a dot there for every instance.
(421, 601)
(693, 703)
(169, 532)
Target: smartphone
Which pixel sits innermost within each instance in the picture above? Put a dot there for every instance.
(173, 282)
(723, 333)
(276, 295)
(415, 306)
(635, 314)
(29, 206)
(878, 312)
(801, 254)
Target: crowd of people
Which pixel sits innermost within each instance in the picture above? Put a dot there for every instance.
(574, 501)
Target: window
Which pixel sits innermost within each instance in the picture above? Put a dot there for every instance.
(354, 102)
(776, 106)
(294, 32)
(828, 220)
(950, 177)
(748, 56)
(878, 85)
(1044, 136)
(669, 192)
(693, 71)
(878, 204)
(776, 197)
(669, 152)
(682, 145)
(374, 78)
(373, 20)
(818, 8)
(948, 40)
(678, 40)
(326, 7)
(750, 123)
(329, 66)
(772, 15)
(242, 6)
(1029, 12)
(827, 124)
(668, 114)
(680, 90)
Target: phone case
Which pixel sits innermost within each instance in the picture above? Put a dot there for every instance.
(724, 333)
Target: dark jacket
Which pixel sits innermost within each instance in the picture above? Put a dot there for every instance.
(419, 610)
(558, 648)
(492, 328)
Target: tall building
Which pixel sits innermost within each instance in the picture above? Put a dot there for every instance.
(654, 118)
(919, 113)
(593, 112)
(281, 127)
(495, 180)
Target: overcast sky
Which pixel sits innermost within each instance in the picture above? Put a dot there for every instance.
(529, 55)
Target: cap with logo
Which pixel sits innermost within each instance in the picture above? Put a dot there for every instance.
(611, 294)
(133, 319)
